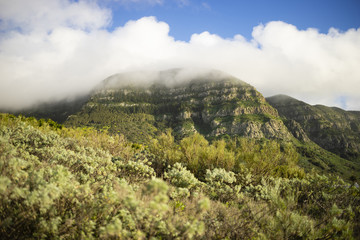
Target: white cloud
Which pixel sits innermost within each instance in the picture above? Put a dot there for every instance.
(74, 52)
(45, 15)
(320, 67)
(147, 2)
(180, 3)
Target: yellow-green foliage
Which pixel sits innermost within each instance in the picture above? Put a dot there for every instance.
(52, 186)
(197, 154)
(58, 182)
(180, 177)
(221, 184)
(194, 152)
(266, 159)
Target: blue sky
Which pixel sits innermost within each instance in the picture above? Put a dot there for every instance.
(230, 17)
(56, 49)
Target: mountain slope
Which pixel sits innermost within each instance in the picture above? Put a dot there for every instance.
(332, 128)
(70, 183)
(212, 106)
(58, 111)
(141, 106)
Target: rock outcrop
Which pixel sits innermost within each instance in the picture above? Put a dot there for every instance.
(213, 106)
(332, 128)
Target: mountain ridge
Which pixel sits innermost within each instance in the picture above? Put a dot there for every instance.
(332, 128)
(141, 106)
(222, 105)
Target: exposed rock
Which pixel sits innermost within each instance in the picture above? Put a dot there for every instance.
(331, 128)
(214, 107)
(184, 115)
(275, 129)
(297, 131)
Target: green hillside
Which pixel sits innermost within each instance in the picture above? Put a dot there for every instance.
(217, 108)
(206, 157)
(81, 183)
(212, 107)
(333, 129)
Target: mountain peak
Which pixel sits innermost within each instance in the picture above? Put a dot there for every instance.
(280, 99)
(187, 100)
(176, 77)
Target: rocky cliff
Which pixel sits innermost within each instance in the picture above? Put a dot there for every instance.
(332, 128)
(213, 106)
(216, 105)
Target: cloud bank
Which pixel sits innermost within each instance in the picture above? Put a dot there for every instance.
(53, 49)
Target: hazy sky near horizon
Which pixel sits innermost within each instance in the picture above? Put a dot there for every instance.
(53, 49)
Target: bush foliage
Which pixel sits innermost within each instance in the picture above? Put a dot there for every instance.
(65, 183)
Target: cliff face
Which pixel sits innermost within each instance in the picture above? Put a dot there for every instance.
(213, 107)
(333, 129)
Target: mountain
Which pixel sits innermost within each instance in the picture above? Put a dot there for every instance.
(58, 111)
(334, 129)
(232, 167)
(142, 105)
(213, 104)
(79, 183)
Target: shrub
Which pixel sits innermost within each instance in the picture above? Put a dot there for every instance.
(221, 184)
(79, 184)
(180, 177)
(135, 170)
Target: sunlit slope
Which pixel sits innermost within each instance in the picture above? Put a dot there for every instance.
(58, 182)
(213, 106)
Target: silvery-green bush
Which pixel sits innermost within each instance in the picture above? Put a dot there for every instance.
(58, 183)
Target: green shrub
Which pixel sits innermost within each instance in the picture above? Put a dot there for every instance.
(221, 184)
(180, 177)
(84, 184)
(135, 170)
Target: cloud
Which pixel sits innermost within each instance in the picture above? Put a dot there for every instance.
(45, 15)
(143, 2)
(180, 3)
(75, 52)
(320, 67)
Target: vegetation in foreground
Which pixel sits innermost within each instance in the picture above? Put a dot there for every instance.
(59, 182)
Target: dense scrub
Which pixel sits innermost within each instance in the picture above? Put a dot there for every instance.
(58, 182)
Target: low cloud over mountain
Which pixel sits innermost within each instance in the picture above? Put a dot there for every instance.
(55, 49)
